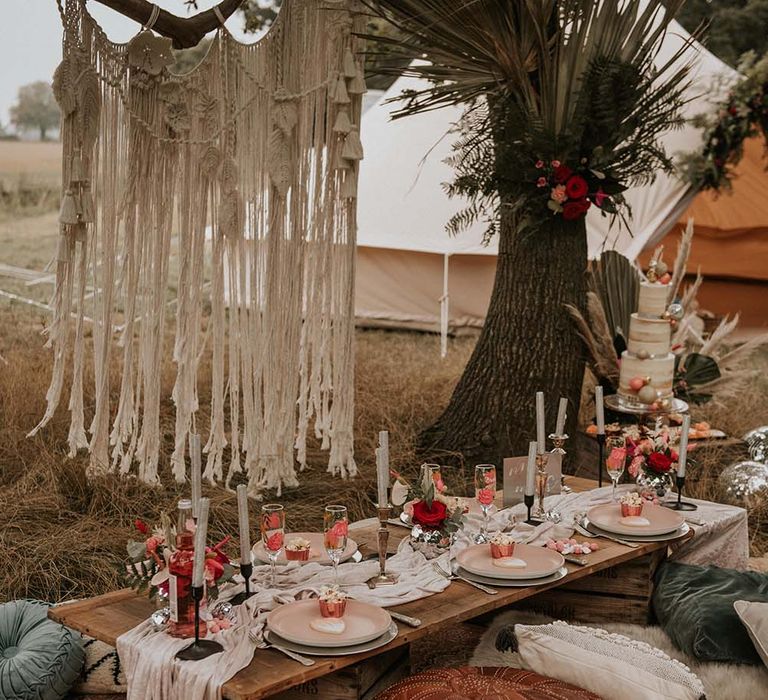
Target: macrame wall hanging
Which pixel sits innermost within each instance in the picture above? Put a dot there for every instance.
(223, 200)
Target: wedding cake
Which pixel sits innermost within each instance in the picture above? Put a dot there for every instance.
(647, 365)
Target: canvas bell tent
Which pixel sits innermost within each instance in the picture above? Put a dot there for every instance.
(411, 273)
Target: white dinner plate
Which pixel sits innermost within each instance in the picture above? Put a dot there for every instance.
(381, 641)
(515, 583)
(661, 521)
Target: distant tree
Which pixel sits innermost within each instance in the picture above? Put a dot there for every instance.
(735, 26)
(35, 108)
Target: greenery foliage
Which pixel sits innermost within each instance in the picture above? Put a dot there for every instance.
(743, 115)
(566, 80)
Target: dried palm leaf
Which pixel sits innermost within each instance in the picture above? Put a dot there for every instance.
(681, 261)
(692, 291)
(616, 282)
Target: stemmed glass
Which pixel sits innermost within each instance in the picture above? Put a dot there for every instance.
(273, 534)
(335, 530)
(436, 474)
(485, 492)
(616, 459)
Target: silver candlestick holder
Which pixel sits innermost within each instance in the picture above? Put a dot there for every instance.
(383, 578)
(542, 488)
(558, 440)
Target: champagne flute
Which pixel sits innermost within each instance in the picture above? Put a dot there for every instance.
(273, 534)
(435, 473)
(615, 460)
(485, 492)
(335, 530)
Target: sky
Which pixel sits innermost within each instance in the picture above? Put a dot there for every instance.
(30, 39)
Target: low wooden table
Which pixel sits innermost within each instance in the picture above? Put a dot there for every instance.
(107, 617)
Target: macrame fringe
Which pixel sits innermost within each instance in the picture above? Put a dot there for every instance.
(357, 84)
(238, 159)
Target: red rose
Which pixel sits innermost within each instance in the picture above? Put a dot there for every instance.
(141, 526)
(562, 173)
(576, 187)
(659, 462)
(575, 209)
(429, 518)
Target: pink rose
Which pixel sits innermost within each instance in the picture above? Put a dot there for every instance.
(275, 542)
(559, 194)
(541, 182)
(152, 544)
(539, 164)
(440, 485)
(485, 496)
(555, 163)
(340, 528)
(490, 478)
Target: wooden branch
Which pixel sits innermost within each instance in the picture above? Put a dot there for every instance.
(185, 31)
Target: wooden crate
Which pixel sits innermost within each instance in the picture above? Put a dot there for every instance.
(618, 594)
(363, 681)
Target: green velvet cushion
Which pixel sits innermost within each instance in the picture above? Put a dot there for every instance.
(39, 659)
(694, 605)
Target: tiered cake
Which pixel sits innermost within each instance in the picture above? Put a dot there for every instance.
(647, 365)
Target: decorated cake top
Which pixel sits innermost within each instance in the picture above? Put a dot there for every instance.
(298, 544)
(332, 594)
(631, 499)
(502, 539)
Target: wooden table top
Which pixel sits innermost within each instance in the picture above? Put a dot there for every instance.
(107, 617)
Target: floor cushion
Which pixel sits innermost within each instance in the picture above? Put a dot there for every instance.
(721, 681)
(102, 673)
(694, 605)
(39, 658)
(482, 684)
(754, 617)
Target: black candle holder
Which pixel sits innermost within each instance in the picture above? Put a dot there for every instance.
(600, 458)
(680, 504)
(528, 500)
(245, 570)
(201, 648)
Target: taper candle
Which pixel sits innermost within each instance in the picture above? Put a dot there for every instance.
(599, 410)
(682, 457)
(530, 468)
(540, 433)
(201, 536)
(561, 414)
(195, 468)
(245, 532)
(382, 468)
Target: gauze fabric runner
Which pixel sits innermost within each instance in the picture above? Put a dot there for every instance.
(154, 674)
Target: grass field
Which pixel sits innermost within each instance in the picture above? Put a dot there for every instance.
(62, 535)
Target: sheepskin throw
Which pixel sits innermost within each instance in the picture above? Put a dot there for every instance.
(222, 200)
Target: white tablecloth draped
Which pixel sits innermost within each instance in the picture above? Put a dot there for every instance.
(153, 673)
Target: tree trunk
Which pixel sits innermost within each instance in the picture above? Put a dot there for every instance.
(528, 344)
(43, 132)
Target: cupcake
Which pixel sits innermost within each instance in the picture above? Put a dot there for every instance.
(631, 505)
(297, 549)
(502, 545)
(333, 602)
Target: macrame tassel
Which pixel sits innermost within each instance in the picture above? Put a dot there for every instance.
(340, 163)
(350, 68)
(340, 96)
(353, 148)
(78, 173)
(343, 125)
(68, 213)
(87, 206)
(357, 84)
(349, 186)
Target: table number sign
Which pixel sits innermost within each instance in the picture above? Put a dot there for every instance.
(514, 477)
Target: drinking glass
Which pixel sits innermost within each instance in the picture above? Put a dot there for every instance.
(615, 460)
(335, 531)
(273, 534)
(485, 492)
(436, 474)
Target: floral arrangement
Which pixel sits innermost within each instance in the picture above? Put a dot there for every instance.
(429, 506)
(146, 567)
(571, 193)
(744, 114)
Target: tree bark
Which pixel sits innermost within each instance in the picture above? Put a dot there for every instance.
(185, 31)
(527, 344)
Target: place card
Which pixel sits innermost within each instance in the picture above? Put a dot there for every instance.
(514, 477)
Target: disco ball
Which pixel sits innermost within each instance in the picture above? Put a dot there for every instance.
(744, 484)
(757, 441)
